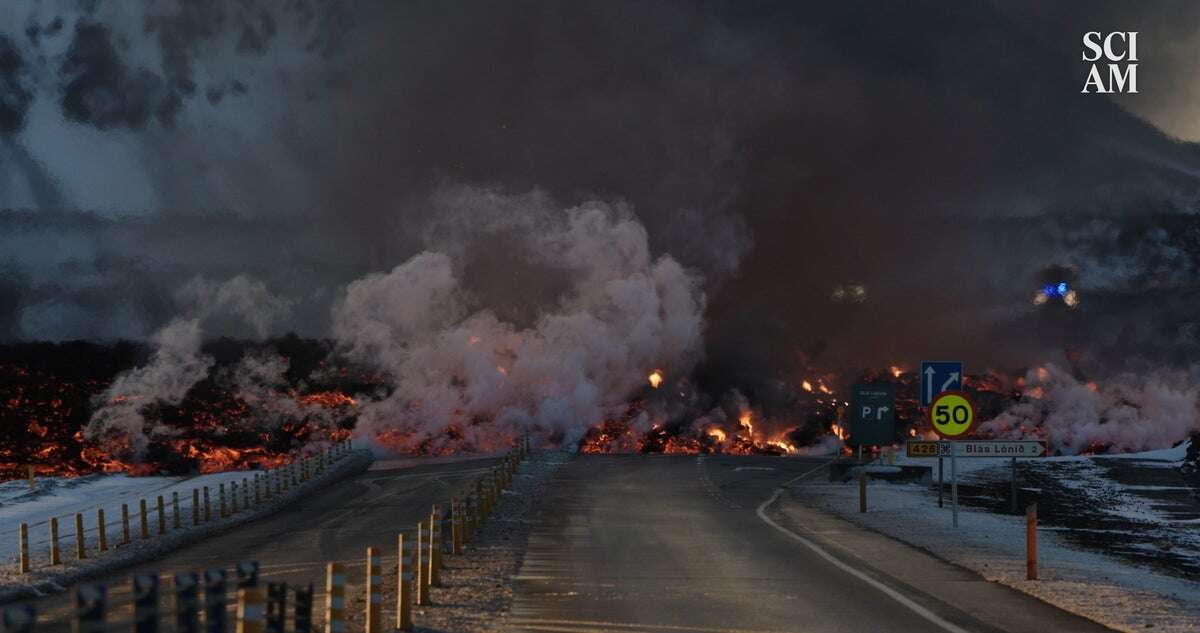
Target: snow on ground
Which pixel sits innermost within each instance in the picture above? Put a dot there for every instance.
(1088, 580)
(62, 498)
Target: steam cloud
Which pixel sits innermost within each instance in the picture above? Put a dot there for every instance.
(1124, 413)
(467, 377)
(178, 363)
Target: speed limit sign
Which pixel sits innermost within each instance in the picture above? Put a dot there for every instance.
(952, 414)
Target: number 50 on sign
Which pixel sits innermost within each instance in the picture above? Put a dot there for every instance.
(952, 414)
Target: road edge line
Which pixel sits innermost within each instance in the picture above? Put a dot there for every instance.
(886, 590)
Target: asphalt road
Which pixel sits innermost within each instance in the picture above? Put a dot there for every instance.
(685, 543)
(294, 545)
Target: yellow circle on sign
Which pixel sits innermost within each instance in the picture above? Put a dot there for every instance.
(952, 414)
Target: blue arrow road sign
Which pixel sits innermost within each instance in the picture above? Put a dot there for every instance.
(938, 376)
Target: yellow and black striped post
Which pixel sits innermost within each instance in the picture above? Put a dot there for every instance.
(23, 539)
(250, 610)
(456, 526)
(124, 524)
(276, 606)
(435, 547)
(145, 603)
(374, 591)
(187, 602)
(404, 578)
(303, 609)
(144, 519)
(215, 617)
(422, 573)
(102, 530)
(221, 500)
(335, 598)
(233, 497)
(175, 510)
(477, 517)
(162, 516)
(90, 609)
(80, 550)
(55, 559)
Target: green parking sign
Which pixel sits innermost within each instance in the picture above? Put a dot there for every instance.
(872, 415)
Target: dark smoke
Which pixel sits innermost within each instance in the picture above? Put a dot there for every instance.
(856, 183)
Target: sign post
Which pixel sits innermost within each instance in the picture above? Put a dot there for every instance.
(952, 415)
(938, 376)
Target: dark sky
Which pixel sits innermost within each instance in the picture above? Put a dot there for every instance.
(937, 154)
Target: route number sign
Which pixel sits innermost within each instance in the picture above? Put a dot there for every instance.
(952, 414)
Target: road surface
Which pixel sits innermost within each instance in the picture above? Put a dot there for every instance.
(334, 525)
(686, 543)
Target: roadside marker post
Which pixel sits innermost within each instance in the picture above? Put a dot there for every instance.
(144, 519)
(257, 491)
(101, 530)
(335, 598)
(233, 505)
(1031, 557)
(90, 609)
(207, 507)
(435, 543)
(245, 494)
(214, 601)
(249, 610)
(276, 606)
(145, 603)
(374, 589)
(162, 516)
(221, 499)
(195, 506)
(187, 602)
(175, 510)
(456, 517)
(80, 550)
(23, 538)
(124, 524)
(404, 578)
(422, 573)
(54, 557)
(302, 610)
(19, 618)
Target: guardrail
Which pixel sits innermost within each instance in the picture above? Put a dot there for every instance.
(95, 540)
(202, 602)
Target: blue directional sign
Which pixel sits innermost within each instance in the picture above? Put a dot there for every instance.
(938, 376)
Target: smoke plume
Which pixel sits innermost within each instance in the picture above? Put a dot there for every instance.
(470, 374)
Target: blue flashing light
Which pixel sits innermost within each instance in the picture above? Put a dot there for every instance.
(1050, 290)
(1062, 288)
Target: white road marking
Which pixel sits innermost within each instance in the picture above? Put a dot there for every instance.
(886, 590)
